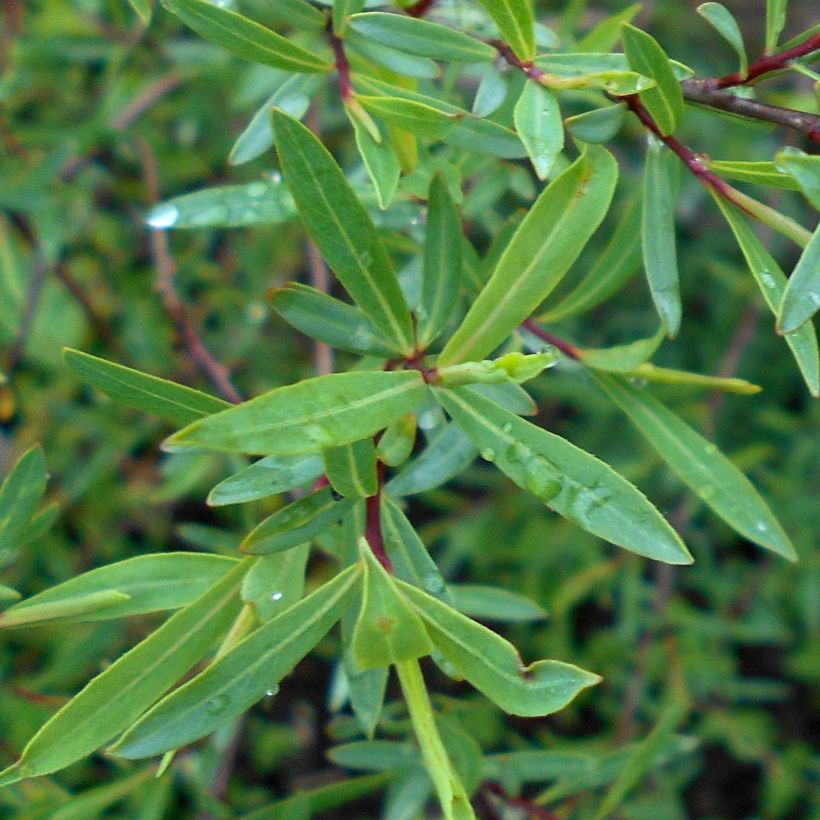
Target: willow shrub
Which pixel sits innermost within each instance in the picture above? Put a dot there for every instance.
(492, 182)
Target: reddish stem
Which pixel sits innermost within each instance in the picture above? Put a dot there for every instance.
(565, 347)
(373, 526)
(342, 66)
(773, 62)
(420, 9)
(533, 72)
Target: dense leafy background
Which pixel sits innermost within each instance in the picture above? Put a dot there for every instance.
(93, 107)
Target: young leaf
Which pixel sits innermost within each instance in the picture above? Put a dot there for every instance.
(380, 160)
(351, 469)
(623, 358)
(20, 495)
(775, 22)
(150, 583)
(396, 445)
(81, 607)
(759, 173)
(667, 375)
(725, 24)
(665, 101)
(617, 262)
(276, 582)
(342, 229)
(421, 37)
(441, 278)
(170, 401)
(660, 256)
(296, 524)
(116, 697)
(243, 675)
(801, 297)
(416, 117)
(606, 34)
(388, 630)
(570, 481)
(538, 123)
(515, 25)
(268, 476)
(244, 38)
(772, 283)
(494, 604)
(805, 168)
(542, 249)
(342, 9)
(328, 319)
(701, 466)
(143, 8)
(493, 666)
(312, 415)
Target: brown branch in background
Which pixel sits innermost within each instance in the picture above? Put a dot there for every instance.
(420, 9)
(342, 65)
(705, 92)
(766, 65)
(102, 327)
(147, 97)
(529, 808)
(165, 267)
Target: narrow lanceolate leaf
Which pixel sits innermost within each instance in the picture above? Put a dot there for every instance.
(701, 466)
(244, 38)
(421, 37)
(296, 524)
(801, 298)
(805, 169)
(342, 9)
(342, 229)
(622, 358)
(268, 476)
(775, 22)
(538, 123)
(396, 445)
(515, 24)
(725, 24)
(78, 608)
(758, 173)
(416, 117)
(20, 495)
(351, 469)
(665, 100)
(314, 414)
(388, 630)
(660, 256)
(143, 9)
(116, 697)
(598, 125)
(441, 278)
(328, 319)
(170, 401)
(495, 604)
(668, 375)
(540, 252)
(242, 676)
(493, 665)
(149, 583)
(276, 582)
(380, 160)
(567, 479)
(297, 13)
(772, 283)
(618, 261)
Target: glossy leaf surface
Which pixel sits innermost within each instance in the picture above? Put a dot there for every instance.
(351, 469)
(538, 123)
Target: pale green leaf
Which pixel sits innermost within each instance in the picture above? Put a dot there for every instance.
(400, 62)
(538, 123)
(567, 479)
(801, 297)
(342, 9)
(143, 8)
(396, 445)
(775, 22)
(758, 173)
(577, 64)
(667, 375)
(606, 34)
(491, 92)
(542, 249)
(312, 415)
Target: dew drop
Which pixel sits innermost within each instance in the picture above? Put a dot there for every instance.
(710, 449)
(761, 526)
(707, 491)
(217, 705)
(488, 454)
(163, 216)
(767, 278)
(433, 583)
(515, 453)
(276, 596)
(275, 177)
(272, 690)
(507, 428)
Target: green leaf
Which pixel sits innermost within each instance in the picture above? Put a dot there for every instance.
(351, 469)
(170, 401)
(542, 249)
(801, 297)
(388, 630)
(775, 22)
(772, 283)
(578, 64)
(441, 276)
(411, 561)
(342, 9)
(421, 37)
(606, 34)
(276, 582)
(416, 117)
(598, 125)
(244, 38)
(805, 168)
(78, 608)
(568, 480)
(494, 604)
(328, 319)
(149, 583)
(666, 375)
(342, 229)
(491, 92)
(701, 466)
(660, 256)
(399, 62)
(143, 8)
(312, 415)
(665, 101)
(8, 595)
(268, 476)
(515, 25)
(297, 13)
(225, 206)
(296, 524)
(448, 454)
(538, 123)
(512, 367)
(493, 666)
(623, 358)
(616, 263)
(116, 697)
(759, 173)
(243, 675)
(380, 160)
(396, 445)
(723, 21)
(20, 495)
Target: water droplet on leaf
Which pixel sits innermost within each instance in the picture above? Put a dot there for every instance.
(217, 705)
(163, 216)
(488, 454)
(433, 583)
(276, 596)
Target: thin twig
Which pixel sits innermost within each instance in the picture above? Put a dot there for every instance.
(373, 526)
(770, 63)
(149, 96)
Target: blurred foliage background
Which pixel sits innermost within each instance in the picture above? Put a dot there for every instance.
(100, 118)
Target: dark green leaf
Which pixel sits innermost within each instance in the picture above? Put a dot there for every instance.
(20, 495)
(494, 604)
(801, 297)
